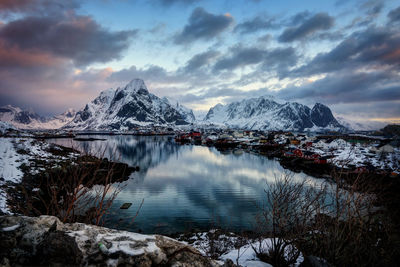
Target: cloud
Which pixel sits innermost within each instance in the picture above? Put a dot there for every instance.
(240, 57)
(272, 59)
(203, 25)
(299, 18)
(200, 60)
(394, 15)
(13, 58)
(373, 47)
(42, 42)
(363, 68)
(153, 73)
(78, 38)
(318, 22)
(373, 7)
(173, 2)
(256, 24)
(38, 7)
(348, 87)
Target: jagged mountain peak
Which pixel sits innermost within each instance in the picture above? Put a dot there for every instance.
(29, 119)
(322, 116)
(265, 113)
(12, 108)
(69, 113)
(136, 85)
(130, 107)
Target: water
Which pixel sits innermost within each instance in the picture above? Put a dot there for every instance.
(184, 187)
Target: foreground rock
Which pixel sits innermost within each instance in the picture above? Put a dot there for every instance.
(45, 240)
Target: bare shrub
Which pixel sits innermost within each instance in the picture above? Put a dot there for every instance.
(78, 191)
(353, 231)
(337, 221)
(286, 216)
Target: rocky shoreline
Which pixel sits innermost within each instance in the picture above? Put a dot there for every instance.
(45, 240)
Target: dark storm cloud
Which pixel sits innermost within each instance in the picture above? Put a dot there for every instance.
(256, 24)
(271, 58)
(36, 6)
(374, 46)
(78, 38)
(41, 44)
(200, 60)
(318, 22)
(394, 15)
(203, 25)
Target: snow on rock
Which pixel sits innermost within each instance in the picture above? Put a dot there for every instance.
(264, 113)
(346, 154)
(232, 247)
(127, 108)
(5, 127)
(28, 119)
(47, 241)
(10, 161)
(17, 151)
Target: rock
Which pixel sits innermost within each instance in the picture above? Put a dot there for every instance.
(125, 206)
(58, 247)
(45, 240)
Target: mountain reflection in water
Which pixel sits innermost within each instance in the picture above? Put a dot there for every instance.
(184, 187)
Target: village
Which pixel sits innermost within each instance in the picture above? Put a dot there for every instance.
(362, 152)
(356, 153)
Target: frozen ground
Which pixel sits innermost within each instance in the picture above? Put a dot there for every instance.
(10, 161)
(13, 153)
(230, 246)
(345, 154)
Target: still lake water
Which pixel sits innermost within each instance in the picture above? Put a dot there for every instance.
(184, 187)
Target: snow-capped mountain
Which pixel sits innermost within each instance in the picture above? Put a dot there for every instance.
(264, 113)
(187, 114)
(127, 108)
(28, 119)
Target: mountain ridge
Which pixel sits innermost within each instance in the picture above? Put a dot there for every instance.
(28, 119)
(127, 108)
(133, 106)
(264, 113)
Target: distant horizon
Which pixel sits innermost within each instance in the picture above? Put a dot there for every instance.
(344, 54)
(199, 115)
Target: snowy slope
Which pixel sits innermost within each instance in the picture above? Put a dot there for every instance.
(187, 113)
(25, 119)
(128, 108)
(264, 113)
(361, 125)
(5, 127)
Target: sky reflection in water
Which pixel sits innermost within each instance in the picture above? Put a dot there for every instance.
(184, 187)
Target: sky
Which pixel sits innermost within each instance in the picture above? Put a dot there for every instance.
(56, 54)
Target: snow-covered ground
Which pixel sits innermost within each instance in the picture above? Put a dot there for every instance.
(345, 154)
(17, 151)
(5, 127)
(238, 249)
(10, 161)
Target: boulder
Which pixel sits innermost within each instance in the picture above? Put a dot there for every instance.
(45, 240)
